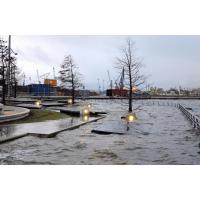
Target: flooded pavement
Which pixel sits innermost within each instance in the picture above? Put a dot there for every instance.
(161, 135)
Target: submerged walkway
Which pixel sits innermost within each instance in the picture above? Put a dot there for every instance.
(41, 129)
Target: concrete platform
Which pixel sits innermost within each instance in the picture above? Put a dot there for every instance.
(30, 106)
(21, 100)
(11, 113)
(106, 132)
(49, 104)
(49, 100)
(63, 101)
(119, 127)
(41, 129)
(77, 112)
(71, 112)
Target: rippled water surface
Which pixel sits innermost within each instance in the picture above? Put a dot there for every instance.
(161, 135)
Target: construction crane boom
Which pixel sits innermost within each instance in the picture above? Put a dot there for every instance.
(110, 81)
(121, 83)
(44, 76)
(54, 74)
(38, 77)
(99, 86)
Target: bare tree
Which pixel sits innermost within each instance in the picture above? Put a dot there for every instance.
(132, 69)
(3, 55)
(69, 76)
(8, 70)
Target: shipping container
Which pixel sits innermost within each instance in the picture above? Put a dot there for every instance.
(51, 82)
(41, 90)
(117, 92)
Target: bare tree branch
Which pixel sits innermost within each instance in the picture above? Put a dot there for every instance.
(132, 68)
(69, 76)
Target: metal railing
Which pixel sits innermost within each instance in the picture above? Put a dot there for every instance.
(195, 121)
(191, 117)
(156, 103)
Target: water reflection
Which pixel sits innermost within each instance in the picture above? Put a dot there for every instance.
(157, 139)
(85, 118)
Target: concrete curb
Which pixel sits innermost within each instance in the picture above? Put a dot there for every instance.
(18, 115)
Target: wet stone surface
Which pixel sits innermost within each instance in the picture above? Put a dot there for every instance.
(48, 104)
(161, 135)
(30, 106)
(41, 129)
(10, 113)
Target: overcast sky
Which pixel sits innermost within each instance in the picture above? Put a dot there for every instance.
(170, 61)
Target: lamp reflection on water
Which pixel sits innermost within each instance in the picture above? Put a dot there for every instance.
(85, 114)
(85, 118)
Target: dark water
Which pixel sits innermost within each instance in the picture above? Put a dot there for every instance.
(161, 135)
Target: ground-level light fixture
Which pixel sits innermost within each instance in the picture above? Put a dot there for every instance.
(89, 106)
(38, 103)
(85, 114)
(69, 101)
(85, 111)
(131, 117)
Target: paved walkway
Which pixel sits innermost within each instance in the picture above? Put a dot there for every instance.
(41, 129)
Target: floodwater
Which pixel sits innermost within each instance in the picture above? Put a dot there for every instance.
(161, 135)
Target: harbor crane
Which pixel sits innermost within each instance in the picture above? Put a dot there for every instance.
(99, 86)
(24, 78)
(119, 82)
(45, 76)
(54, 74)
(110, 81)
(38, 77)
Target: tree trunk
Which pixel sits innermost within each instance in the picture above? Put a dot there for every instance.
(73, 95)
(3, 92)
(15, 90)
(130, 89)
(73, 90)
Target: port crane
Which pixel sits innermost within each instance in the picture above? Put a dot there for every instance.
(38, 77)
(24, 78)
(45, 76)
(54, 74)
(110, 81)
(99, 86)
(119, 82)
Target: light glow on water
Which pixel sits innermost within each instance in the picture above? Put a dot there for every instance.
(162, 135)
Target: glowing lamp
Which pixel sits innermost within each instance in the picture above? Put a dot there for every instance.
(134, 89)
(69, 101)
(37, 103)
(86, 111)
(89, 106)
(131, 117)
